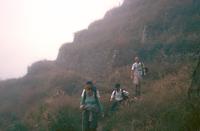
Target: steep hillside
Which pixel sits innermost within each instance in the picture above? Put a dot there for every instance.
(163, 33)
(159, 27)
(194, 89)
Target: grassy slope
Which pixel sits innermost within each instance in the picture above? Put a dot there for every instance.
(170, 46)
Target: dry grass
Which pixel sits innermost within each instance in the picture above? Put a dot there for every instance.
(159, 97)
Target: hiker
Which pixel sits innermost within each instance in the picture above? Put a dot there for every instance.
(91, 106)
(118, 95)
(137, 72)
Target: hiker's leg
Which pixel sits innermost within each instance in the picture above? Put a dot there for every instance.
(139, 90)
(94, 122)
(87, 129)
(136, 90)
(114, 106)
(136, 83)
(93, 129)
(139, 78)
(85, 121)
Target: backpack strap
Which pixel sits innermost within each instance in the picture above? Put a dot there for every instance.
(83, 98)
(84, 95)
(114, 92)
(122, 91)
(96, 98)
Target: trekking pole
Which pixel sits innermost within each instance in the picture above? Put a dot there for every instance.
(82, 121)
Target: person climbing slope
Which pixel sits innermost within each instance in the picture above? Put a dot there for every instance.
(118, 95)
(137, 72)
(91, 107)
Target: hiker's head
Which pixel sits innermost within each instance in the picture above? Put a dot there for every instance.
(136, 59)
(117, 86)
(88, 87)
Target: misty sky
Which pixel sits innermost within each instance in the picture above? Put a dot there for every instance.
(32, 30)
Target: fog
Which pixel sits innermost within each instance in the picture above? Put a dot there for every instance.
(34, 30)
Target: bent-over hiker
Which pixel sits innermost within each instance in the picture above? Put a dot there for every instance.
(137, 72)
(118, 95)
(91, 106)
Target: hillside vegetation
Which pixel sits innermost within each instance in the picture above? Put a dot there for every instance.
(163, 33)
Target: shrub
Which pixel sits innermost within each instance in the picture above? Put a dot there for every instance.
(65, 119)
(17, 126)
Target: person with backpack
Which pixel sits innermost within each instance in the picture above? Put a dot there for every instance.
(118, 95)
(138, 70)
(91, 107)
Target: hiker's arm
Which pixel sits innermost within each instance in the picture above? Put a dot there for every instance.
(132, 73)
(82, 102)
(101, 109)
(98, 94)
(98, 101)
(126, 93)
(100, 106)
(82, 106)
(112, 96)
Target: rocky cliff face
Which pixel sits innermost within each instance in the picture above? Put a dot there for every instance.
(125, 31)
(164, 33)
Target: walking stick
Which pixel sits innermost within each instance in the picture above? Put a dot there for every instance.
(82, 122)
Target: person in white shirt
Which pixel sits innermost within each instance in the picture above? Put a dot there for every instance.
(118, 95)
(136, 76)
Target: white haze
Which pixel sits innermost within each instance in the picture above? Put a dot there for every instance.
(33, 30)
